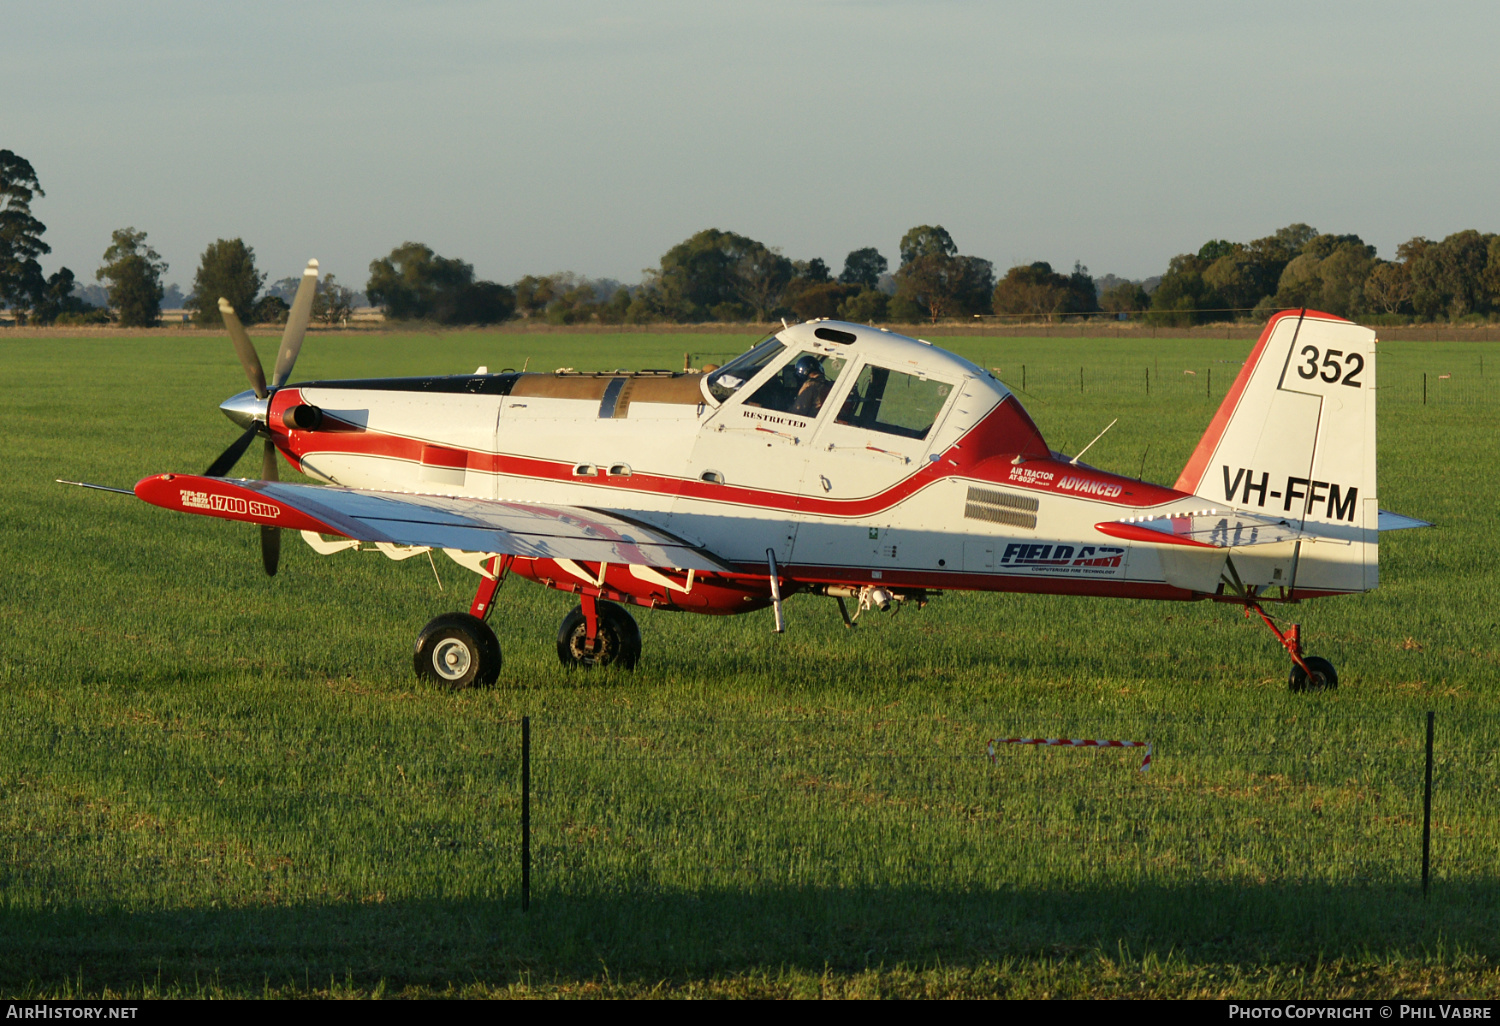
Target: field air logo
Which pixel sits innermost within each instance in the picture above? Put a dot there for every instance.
(1066, 559)
(209, 503)
(1314, 494)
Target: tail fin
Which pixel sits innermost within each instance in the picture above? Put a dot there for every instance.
(1295, 437)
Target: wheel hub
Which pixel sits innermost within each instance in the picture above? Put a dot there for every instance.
(602, 649)
(451, 659)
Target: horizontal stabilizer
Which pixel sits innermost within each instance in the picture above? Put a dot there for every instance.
(1396, 522)
(1226, 529)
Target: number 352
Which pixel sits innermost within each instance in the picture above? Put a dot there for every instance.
(1330, 370)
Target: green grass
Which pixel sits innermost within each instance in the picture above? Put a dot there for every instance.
(214, 783)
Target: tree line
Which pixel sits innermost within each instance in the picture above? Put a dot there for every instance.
(719, 275)
(1456, 278)
(132, 271)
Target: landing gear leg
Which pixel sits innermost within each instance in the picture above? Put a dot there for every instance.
(457, 650)
(484, 598)
(590, 607)
(1309, 673)
(598, 633)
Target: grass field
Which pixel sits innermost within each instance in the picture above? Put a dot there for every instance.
(212, 782)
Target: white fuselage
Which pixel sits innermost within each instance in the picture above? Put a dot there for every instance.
(861, 489)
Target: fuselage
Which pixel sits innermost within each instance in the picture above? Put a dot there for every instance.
(884, 461)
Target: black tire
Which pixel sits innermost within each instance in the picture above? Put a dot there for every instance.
(617, 644)
(1324, 678)
(457, 650)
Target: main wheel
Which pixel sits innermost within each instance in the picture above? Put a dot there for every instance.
(618, 642)
(1324, 677)
(456, 650)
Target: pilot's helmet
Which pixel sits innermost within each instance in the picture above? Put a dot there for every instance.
(808, 367)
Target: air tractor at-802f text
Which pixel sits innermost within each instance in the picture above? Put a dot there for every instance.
(831, 459)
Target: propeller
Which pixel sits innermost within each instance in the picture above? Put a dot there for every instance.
(230, 456)
(249, 358)
(296, 325)
(270, 537)
(286, 358)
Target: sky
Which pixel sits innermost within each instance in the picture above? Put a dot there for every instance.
(591, 137)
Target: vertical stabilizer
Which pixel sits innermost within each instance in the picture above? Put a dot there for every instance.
(1295, 438)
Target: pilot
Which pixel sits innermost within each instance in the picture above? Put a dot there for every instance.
(814, 387)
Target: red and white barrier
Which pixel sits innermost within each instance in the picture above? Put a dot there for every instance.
(1072, 743)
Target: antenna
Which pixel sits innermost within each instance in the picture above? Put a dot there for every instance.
(1086, 448)
(784, 324)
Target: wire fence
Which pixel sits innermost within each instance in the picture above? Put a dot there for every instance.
(723, 803)
(1209, 382)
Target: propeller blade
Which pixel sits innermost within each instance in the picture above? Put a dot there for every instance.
(249, 358)
(270, 537)
(230, 456)
(270, 549)
(296, 325)
(268, 462)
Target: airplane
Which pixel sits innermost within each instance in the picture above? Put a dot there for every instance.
(831, 459)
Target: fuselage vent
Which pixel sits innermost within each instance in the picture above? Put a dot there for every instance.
(1001, 508)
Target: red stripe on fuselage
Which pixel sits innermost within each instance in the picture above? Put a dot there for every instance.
(1003, 448)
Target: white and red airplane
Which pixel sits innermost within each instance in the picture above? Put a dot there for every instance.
(833, 459)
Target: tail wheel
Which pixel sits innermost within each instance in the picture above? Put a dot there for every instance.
(1324, 677)
(457, 650)
(618, 642)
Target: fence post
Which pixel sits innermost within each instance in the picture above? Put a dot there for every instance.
(1427, 810)
(525, 813)
(1080, 380)
(1424, 388)
(1148, 380)
(1023, 377)
(1209, 392)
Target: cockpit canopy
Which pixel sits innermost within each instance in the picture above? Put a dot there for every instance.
(900, 385)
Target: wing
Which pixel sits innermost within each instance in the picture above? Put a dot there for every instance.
(522, 529)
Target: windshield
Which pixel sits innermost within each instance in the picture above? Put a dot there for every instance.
(731, 377)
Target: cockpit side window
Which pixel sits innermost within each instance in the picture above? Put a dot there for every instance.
(731, 377)
(801, 386)
(894, 403)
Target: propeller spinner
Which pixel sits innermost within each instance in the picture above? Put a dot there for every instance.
(251, 409)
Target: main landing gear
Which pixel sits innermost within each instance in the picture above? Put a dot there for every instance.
(598, 633)
(458, 650)
(1309, 673)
